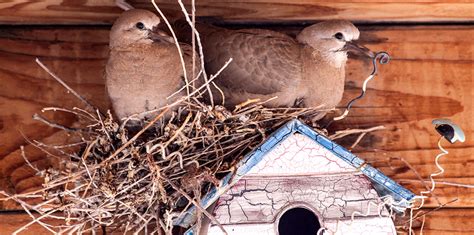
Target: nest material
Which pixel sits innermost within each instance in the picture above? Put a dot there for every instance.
(136, 181)
(140, 181)
(125, 180)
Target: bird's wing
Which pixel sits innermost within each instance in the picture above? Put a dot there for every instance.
(264, 62)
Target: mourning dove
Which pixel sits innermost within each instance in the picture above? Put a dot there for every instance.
(266, 64)
(144, 67)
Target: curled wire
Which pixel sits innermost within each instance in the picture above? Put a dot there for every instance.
(380, 57)
(441, 171)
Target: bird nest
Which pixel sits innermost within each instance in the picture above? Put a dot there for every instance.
(118, 179)
(141, 180)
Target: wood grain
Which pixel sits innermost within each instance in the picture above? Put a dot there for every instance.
(58, 12)
(426, 79)
(105, 11)
(430, 77)
(315, 10)
(455, 165)
(78, 57)
(442, 221)
(11, 221)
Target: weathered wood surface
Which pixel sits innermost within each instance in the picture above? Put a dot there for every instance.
(444, 221)
(58, 12)
(105, 11)
(12, 221)
(430, 77)
(77, 56)
(310, 10)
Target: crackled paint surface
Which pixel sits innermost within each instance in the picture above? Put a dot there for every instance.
(260, 200)
(361, 226)
(300, 172)
(300, 155)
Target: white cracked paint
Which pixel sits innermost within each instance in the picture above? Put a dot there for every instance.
(300, 155)
(362, 226)
(300, 173)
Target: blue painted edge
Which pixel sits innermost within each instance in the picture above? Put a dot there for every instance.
(385, 184)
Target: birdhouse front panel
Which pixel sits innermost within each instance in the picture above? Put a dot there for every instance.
(301, 156)
(361, 226)
(300, 174)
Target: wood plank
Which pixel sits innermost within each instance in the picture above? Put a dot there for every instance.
(444, 221)
(105, 11)
(425, 44)
(454, 164)
(421, 83)
(316, 10)
(58, 12)
(11, 221)
(430, 77)
(420, 78)
(450, 222)
(77, 56)
(21, 176)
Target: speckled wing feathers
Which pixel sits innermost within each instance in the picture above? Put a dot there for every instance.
(265, 61)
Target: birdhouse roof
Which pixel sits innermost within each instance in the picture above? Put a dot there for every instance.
(382, 183)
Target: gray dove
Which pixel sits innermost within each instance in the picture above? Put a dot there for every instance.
(144, 66)
(308, 69)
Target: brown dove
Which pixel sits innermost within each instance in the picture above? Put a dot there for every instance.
(144, 66)
(267, 64)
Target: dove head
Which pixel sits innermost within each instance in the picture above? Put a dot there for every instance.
(332, 39)
(136, 27)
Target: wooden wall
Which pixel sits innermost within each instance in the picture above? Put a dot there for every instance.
(104, 11)
(430, 76)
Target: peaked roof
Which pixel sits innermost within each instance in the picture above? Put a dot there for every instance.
(382, 183)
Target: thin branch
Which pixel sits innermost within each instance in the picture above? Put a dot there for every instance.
(22, 148)
(196, 204)
(64, 84)
(344, 133)
(201, 53)
(183, 64)
(37, 117)
(431, 211)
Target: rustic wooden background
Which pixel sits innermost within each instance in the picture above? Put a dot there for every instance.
(430, 76)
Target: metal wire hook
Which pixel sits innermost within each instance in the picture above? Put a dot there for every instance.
(380, 57)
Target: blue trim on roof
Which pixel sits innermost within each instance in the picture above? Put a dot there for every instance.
(383, 184)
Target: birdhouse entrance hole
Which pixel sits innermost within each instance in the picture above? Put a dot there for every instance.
(299, 221)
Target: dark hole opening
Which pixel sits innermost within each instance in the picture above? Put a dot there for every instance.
(298, 221)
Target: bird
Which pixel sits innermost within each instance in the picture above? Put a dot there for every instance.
(144, 67)
(306, 71)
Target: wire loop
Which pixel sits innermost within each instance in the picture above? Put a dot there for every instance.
(380, 57)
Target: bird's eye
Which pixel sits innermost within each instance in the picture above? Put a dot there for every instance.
(140, 25)
(339, 36)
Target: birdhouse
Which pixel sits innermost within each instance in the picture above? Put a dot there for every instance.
(300, 182)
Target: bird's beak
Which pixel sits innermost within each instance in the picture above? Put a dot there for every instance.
(158, 35)
(358, 49)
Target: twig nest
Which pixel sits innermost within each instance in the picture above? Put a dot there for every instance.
(123, 181)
